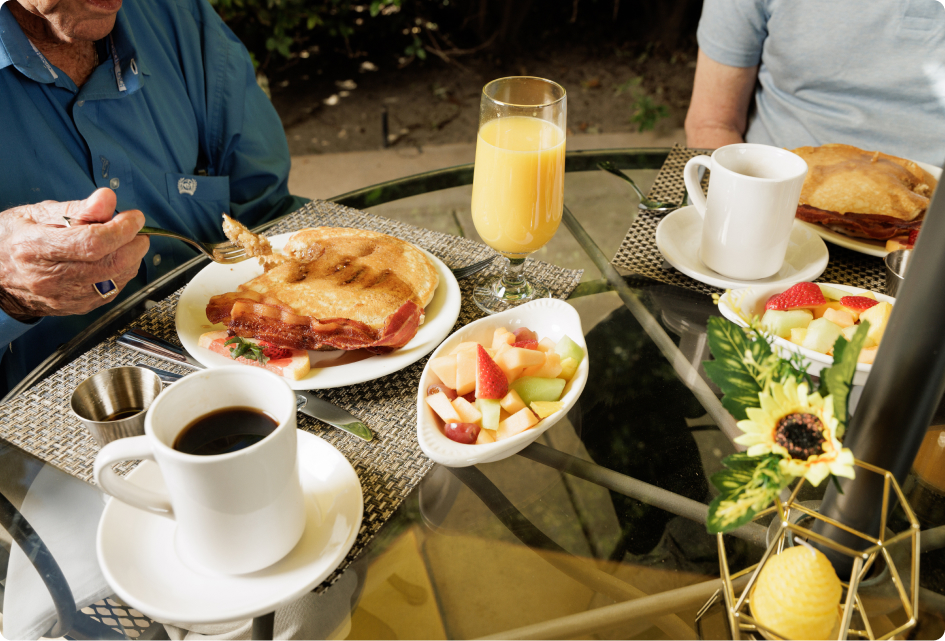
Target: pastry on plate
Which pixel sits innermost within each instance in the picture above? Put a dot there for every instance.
(330, 288)
(864, 194)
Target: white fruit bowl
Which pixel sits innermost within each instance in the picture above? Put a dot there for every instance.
(751, 301)
(547, 317)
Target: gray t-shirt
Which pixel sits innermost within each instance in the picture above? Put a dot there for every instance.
(869, 74)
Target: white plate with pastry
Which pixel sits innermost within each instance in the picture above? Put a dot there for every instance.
(329, 369)
(899, 189)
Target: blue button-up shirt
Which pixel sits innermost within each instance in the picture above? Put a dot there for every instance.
(171, 119)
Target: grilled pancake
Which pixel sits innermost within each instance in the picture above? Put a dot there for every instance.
(330, 287)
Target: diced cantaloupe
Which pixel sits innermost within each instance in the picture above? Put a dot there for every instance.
(512, 402)
(877, 316)
(440, 404)
(485, 436)
(502, 336)
(532, 389)
(848, 333)
(797, 335)
(549, 369)
(841, 317)
(445, 369)
(546, 345)
(465, 371)
(513, 360)
(546, 408)
(818, 311)
(466, 410)
(465, 346)
(568, 368)
(868, 355)
(516, 424)
(491, 413)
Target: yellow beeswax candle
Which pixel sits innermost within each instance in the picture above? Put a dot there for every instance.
(797, 594)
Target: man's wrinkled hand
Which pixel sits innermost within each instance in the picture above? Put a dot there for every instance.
(48, 269)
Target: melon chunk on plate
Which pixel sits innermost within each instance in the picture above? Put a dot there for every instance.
(780, 323)
(445, 369)
(516, 424)
(546, 408)
(512, 402)
(868, 355)
(295, 366)
(466, 410)
(551, 368)
(568, 368)
(485, 437)
(821, 335)
(491, 412)
(465, 371)
(532, 389)
(440, 404)
(877, 316)
(848, 333)
(841, 317)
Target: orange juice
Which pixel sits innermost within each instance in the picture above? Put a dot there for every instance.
(518, 183)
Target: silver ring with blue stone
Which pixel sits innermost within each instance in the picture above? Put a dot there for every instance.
(106, 288)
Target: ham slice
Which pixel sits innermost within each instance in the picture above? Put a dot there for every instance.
(294, 366)
(253, 315)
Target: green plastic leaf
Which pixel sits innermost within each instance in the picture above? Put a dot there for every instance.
(745, 490)
(837, 379)
(737, 380)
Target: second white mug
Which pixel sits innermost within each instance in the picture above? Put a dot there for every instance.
(749, 212)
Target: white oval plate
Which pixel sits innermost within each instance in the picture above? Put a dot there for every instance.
(547, 317)
(679, 236)
(864, 245)
(214, 279)
(752, 302)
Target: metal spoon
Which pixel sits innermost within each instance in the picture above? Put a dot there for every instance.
(654, 206)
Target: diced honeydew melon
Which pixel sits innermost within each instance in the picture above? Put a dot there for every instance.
(466, 410)
(832, 293)
(512, 402)
(568, 367)
(550, 368)
(821, 335)
(840, 317)
(489, 408)
(567, 348)
(445, 369)
(780, 323)
(516, 424)
(440, 404)
(877, 316)
(532, 389)
(485, 437)
(848, 333)
(465, 372)
(546, 345)
(797, 335)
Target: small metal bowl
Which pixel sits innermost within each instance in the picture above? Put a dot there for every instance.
(896, 264)
(112, 404)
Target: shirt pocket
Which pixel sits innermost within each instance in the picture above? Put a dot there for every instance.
(199, 202)
(923, 15)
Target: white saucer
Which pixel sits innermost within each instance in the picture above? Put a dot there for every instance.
(137, 556)
(679, 235)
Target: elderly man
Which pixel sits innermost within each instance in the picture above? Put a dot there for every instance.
(149, 109)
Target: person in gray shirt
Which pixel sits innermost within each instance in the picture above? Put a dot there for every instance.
(869, 74)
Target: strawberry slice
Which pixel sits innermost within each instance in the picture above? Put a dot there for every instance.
(526, 344)
(913, 235)
(858, 303)
(491, 382)
(800, 295)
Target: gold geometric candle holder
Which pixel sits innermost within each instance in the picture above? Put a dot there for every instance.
(740, 620)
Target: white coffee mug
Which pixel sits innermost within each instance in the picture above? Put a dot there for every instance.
(753, 196)
(236, 512)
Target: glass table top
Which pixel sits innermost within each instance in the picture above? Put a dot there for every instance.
(596, 530)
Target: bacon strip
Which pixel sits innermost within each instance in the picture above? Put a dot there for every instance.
(859, 225)
(252, 315)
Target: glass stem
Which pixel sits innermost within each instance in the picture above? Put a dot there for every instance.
(513, 280)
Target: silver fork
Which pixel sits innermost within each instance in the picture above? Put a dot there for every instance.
(467, 271)
(225, 253)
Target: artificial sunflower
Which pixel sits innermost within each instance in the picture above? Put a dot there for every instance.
(801, 428)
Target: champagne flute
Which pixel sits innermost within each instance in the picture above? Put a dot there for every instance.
(518, 181)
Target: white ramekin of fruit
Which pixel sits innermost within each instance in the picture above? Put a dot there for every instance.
(807, 319)
(497, 384)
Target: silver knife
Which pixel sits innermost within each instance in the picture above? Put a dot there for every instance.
(309, 404)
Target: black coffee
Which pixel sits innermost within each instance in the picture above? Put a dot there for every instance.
(224, 431)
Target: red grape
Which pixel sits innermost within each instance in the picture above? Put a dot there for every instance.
(471, 397)
(440, 387)
(525, 334)
(465, 433)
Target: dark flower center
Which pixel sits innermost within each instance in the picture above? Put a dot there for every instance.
(802, 435)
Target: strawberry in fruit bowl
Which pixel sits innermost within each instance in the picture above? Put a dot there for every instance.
(808, 322)
(513, 394)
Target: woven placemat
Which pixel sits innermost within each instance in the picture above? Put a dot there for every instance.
(638, 252)
(39, 420)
